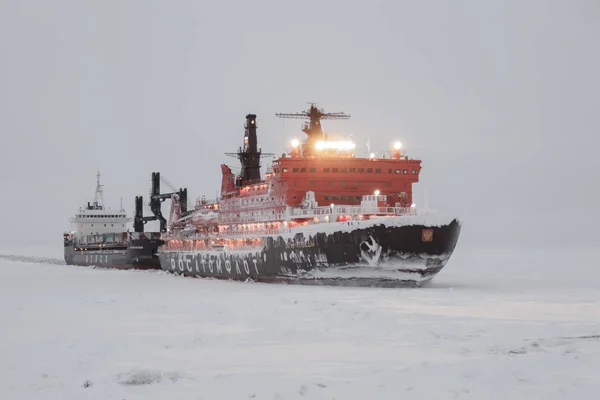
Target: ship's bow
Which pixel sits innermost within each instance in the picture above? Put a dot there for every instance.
(413, 250)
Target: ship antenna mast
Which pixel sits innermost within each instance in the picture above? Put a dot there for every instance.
(99, 196)
(313, 127)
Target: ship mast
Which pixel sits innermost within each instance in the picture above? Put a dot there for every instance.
(249, 154)
(313, 128)
(99, 195)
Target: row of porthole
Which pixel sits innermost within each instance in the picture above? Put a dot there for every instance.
(100, 216)
(123, 225)
(344, 183)
(353, 170)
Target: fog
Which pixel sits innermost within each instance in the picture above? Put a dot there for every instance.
(498, 99)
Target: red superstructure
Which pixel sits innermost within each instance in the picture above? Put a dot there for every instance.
(319, 180)
(331, 170)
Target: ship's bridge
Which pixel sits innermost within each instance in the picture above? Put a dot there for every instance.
(99, 221)
(95, 219)
(335, 174)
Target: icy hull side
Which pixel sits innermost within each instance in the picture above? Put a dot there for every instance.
(409, 253)
(140, 254)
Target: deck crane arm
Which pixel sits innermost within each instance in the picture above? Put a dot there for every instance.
(155, 203)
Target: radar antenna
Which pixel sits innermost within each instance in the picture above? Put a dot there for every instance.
(313, 127)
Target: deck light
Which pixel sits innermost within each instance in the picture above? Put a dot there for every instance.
(335, 145)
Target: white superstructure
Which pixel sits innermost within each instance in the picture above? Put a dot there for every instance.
(94, 219)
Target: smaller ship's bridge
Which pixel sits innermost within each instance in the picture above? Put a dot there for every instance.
(95, 219)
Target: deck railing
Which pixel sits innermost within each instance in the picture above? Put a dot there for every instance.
(353, 210)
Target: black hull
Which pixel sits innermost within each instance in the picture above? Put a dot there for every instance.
(137, 254)
(378, 253)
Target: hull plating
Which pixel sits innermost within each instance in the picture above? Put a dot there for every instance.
(139, 254)
(409, 253)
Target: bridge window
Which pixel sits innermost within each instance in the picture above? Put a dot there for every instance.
(357, 197)
(313, 170)
(326, 197)
(397, 171)
(389, 170)
(285, 170)
(352, 169)
(343, 169)
(405, 171)
(414, 171)
(377, 170)
(325, 169)
(302, 169)
(294, 169)
(334, 170)
(369, 169)
(361, 170)
(342, 197)
(335, 198)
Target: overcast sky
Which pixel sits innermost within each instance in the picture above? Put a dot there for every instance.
(499, 99)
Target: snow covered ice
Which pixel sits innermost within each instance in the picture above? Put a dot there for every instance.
(494, 324)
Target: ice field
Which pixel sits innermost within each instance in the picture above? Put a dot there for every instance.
(494, 324)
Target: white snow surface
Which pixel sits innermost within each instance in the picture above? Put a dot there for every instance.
(494, 324)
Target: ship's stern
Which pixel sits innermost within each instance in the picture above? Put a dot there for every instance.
(69, 248)
(143, 251)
